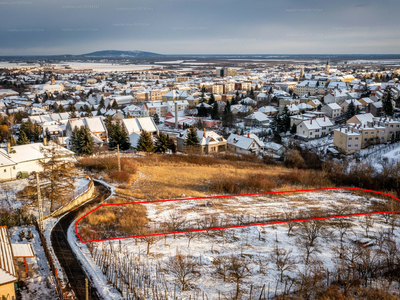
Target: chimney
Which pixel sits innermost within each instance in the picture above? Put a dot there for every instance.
(176, 115)
(310, 121)
(238, 133)
(45, 141)
(8, 147)
(248, 135)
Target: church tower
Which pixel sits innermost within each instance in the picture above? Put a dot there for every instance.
(53, 81)
(302, 72)
(327, 65)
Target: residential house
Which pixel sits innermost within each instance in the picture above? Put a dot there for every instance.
(94, 124)
(347, 140)
(332, 110)
(268, 110)
(375, 108)
(346, 103)
(360, 119)
(136, 125)
(256, 119)
(210, 142)
(8, 273)
(245, 144)
(24, 159)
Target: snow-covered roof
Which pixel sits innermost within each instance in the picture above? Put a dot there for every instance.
(137, 124)
(334, 106)
(259, 116)
(7, 265)
(267, 109)
(22, 250)
(244, 141)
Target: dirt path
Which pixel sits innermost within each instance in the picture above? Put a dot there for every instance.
(71, 265)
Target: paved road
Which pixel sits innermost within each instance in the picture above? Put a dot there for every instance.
(72, 267)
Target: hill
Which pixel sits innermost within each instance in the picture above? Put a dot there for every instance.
(117, 53)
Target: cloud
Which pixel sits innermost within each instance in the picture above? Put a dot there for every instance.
(199, 26)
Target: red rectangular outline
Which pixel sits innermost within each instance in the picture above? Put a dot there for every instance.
(236, 226)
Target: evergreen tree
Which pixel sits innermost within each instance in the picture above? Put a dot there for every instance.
(74, 140)
(293, 129)
(387, 106)
(108, 123)
(285, 119)
(351, 110)
(211, 100)
(171, 145)
(22, 138)
(215, 111)
(85, 141)
(227, 117)
(118, 136)
(191, 137)
(48, 136)
(162, 142)
(156, 119)
(60, 108)
(114, 105)
(102, 103)
(145, 142)
(202, 111)
(72, 113)
(36, 133)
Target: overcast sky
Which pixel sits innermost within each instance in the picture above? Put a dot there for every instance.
(34, 27)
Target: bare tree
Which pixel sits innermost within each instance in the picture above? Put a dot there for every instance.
(367, 223)
(342, 225)
(282, 259)
(183, 268)
(238, 270)
(221, 265)
(308, 234)
(311, 279)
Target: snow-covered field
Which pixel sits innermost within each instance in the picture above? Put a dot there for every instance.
(211, 254)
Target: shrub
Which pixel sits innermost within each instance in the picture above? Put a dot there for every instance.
(107, 164)
(120, 176)
(251, 183)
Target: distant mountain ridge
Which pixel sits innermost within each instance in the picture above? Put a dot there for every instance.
(117, 53)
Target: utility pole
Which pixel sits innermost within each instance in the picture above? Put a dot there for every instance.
(119, 160)
(87, 288)
(39, 203)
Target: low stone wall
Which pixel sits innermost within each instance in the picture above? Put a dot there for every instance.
(88, 194)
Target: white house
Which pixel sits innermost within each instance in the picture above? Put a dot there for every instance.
(332, 110)
(245, 144)
(24, 159)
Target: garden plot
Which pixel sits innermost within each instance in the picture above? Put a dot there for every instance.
(259, 260)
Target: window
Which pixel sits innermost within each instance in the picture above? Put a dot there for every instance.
(349, 146)
(366, 133)
(350, 138)
(365, 140)
(5, 170)
(356, 145)
(356, 138)
(372, 133)
(310, 133)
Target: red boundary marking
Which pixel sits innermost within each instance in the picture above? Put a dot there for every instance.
(236, 226)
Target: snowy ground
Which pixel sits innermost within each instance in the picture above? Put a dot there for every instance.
(40, 284)
(253, 244)
(9, 190)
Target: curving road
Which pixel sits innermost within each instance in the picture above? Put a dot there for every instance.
(71, 265)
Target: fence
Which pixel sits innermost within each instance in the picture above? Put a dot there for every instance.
(78, 198)
(51, 262)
